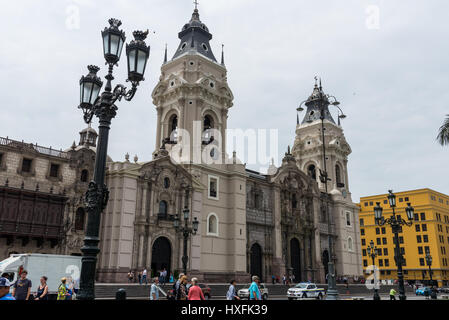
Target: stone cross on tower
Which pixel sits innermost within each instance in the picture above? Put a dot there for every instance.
(196, 4)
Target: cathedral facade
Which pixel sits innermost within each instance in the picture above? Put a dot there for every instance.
(249, 223)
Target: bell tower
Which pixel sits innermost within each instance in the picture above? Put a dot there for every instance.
(329, 161)
(192, 97)
(308, 147)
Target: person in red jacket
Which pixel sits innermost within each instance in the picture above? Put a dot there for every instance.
(195, 292)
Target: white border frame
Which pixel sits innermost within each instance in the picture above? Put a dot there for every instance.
(209, 177)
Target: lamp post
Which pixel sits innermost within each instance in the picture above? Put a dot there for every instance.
(186, 230)
(103, 106)
(323, 101)
(396, 223)
(433, 294)
(372, 252)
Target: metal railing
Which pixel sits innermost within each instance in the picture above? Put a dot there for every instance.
(33, 147)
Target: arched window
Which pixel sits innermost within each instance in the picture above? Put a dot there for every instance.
(173, 128)
(80, 217)
(350, 244)
(208, 122)
(338, 176)
(84, 175)
(212, 225)
(208, 125)
(311, 171)
(163, 208)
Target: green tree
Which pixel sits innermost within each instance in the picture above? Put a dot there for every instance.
(443, 135)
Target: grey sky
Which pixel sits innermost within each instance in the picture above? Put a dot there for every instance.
(392, 81)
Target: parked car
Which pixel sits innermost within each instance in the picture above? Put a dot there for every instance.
(244, 293)
(443, 290)
(305, 290)
(205, 288)
(421, 291)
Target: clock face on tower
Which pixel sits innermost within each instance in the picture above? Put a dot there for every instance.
(344, 193)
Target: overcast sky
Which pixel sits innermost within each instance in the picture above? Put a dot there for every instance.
(390, 74)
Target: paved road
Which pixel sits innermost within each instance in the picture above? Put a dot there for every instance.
(343, 297)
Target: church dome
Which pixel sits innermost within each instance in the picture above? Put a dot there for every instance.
(195, 38)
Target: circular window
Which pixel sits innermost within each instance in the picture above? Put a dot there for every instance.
(190, 102)
(166, 183)
(205, 47)
(212, 84)
(192, 63)
(183, 46)
(312, 113)
(172, 83)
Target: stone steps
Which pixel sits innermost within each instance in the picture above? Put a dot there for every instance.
(105, 291)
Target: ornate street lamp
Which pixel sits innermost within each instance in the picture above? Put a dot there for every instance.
(429, 264)
(396, 223)
(323, 101)
(186, 230)
(372, 252)
(103, 106)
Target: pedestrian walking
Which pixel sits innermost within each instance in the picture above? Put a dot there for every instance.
(42, 290)
(176, 285)
(144, 276)
(195, 292)
(154, 291)
(130, 276)
(181, 293)
(62, 290)
(392, 294)
(164, 276)
(5, 287)
(69, 286)
(140, 277)
(273, 279)
(232, 292)
(22, 287)
(426, 293)
(284, 279)
(254, 291)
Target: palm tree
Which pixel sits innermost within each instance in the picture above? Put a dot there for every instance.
(443, 135)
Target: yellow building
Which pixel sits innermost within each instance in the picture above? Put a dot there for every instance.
(429, 232)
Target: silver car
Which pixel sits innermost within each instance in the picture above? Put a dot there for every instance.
(244, 293)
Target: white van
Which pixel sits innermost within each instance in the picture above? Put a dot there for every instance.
(54, 267)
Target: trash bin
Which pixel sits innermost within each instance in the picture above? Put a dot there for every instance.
(120, 294)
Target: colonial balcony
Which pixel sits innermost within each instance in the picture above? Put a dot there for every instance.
(30, 214)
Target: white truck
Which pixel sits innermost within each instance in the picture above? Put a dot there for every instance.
(54, 267)
(305, 290)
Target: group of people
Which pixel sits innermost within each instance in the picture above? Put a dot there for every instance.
(142, 276)
(21, 289)
(182, 289)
